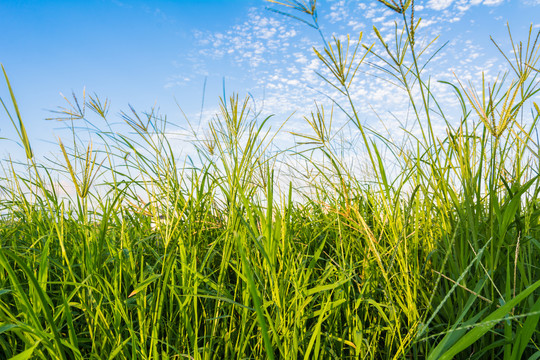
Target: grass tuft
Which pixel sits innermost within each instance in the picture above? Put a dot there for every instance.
(237, 252)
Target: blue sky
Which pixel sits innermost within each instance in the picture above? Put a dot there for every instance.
(159, 53)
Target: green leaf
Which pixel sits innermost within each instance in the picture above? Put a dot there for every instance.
(45, 302)
(144, 284)
(455, 333)
(21, 130)
(490, 321)
(7, 327)
(525, 333)
(26, 354)
(321, 288)
(256, 299)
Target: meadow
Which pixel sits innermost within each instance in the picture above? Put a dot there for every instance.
(432, 252)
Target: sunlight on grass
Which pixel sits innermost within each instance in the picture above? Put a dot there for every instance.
(432, 252)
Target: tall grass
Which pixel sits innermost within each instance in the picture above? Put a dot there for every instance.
(433, 253)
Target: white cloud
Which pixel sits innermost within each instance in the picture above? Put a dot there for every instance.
(338, 12)
(249, 43)
(439, 4)
(461, 5)
(275, 52)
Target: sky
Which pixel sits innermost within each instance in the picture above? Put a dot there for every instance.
(181, 56)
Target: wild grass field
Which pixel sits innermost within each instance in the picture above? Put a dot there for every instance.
(432, 252)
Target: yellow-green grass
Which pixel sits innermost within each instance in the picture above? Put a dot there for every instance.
(433, 252)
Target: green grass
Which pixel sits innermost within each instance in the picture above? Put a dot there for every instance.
(433, 252)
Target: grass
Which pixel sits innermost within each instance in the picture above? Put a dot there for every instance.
(432, 253)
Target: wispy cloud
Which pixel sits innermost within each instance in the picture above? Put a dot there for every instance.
(439, 4)
(251, 43)
(275, 56)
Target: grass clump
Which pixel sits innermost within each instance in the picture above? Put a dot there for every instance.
(434, 253)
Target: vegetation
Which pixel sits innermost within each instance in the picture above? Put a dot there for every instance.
(433, 252)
